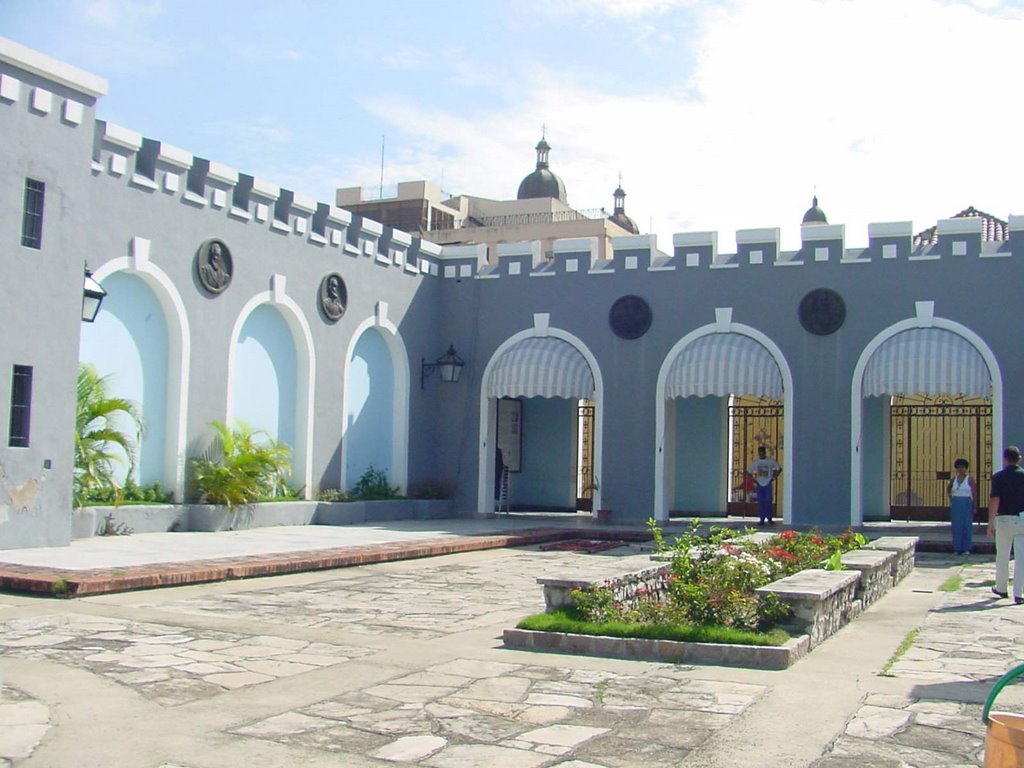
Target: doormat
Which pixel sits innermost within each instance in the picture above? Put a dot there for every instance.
(587, 546)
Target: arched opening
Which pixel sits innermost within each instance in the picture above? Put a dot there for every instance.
(724, 390)
(369, 408)
(264, 387)
(129, 343)
(925, 394)
(540, 389)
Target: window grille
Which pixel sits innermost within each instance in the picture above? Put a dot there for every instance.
(32, 220)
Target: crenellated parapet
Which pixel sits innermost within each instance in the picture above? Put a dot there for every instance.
(957, 238)
(153, 167)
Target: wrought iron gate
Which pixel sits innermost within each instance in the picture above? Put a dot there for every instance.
(585, 456)
(753, 422)
(927, 434)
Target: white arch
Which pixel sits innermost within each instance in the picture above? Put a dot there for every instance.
(400, 413)
(923, 319)
(179, 350)
(305, 375)
(488, 412)
(723, 324)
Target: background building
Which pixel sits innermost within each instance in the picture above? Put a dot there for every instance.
(540, 213)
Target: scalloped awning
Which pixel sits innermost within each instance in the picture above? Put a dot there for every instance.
(724, 364)
(927, 361)
(541, 367)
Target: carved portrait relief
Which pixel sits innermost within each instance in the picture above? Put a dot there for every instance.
(214, 266)
(333, 297)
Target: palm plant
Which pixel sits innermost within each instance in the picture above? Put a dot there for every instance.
(240, 466)
(107, 431)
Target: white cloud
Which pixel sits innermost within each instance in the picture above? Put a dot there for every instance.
(894, 111)
(113, 13)
(629, 8)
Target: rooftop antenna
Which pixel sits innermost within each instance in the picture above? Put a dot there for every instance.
(382, 166)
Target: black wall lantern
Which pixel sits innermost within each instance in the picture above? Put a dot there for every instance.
(92, 297)
(449, 364)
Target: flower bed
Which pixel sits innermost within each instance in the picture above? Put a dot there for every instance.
(740, 583)
(712, 580)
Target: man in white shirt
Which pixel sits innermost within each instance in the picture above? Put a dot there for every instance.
(763, 471)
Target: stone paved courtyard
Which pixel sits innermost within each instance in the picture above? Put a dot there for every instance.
(401, 664)
(965, 644)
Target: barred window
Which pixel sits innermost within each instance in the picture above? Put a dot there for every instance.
(32, 220)
(21, 406)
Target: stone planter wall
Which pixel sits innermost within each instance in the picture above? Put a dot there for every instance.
(210, 517)
(822, 602)
(905, 548)
(356, 512)
(877, 570)
(88, 521)
(629, 589)
(667, 651)
(137, 518)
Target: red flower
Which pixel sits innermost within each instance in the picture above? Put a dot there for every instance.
(788, 535)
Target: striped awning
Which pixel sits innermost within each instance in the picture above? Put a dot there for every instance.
(724, 364)
(927, 361)
(541, 367)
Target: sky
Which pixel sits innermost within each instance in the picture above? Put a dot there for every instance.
(719, 115)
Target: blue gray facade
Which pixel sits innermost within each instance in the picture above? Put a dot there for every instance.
(346, 394)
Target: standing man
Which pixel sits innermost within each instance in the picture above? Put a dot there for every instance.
(1006, 502)
(764, 471)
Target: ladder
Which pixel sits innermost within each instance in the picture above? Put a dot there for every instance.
(503, 490)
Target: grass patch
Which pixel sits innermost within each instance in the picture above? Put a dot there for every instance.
(904, 647)
(952, 584)
(562, 621)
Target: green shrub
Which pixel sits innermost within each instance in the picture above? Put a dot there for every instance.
(240, 467)
(333, 495)
(569, 621)
(107, 431)
(131, 493)
(431, 490)
(713, 579)
(373, 486)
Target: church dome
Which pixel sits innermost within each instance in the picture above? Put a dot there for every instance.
(542, 182)
(619, 216)
(814, 214)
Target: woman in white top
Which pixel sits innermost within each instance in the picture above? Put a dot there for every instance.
(962, 502)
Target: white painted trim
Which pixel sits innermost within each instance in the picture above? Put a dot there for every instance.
(305, 377)
(51, 69)
(967, 225)
(924, 319)
(758, 236)
(488, 411)
(122, 137)
(890, 229)
(400, 413)
(179, 351)
(723, 324)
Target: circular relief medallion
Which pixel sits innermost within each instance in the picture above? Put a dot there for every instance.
(333, 297)
(214, 266)
(822, 311)
(629, 317)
